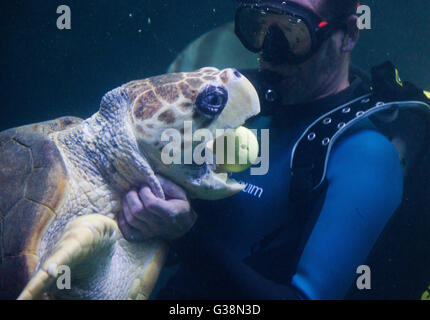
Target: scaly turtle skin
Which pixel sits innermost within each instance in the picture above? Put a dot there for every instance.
(61, 183)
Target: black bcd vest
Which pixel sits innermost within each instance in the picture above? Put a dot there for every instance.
(400, 111)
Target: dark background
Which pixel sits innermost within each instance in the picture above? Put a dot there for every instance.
(47, 73)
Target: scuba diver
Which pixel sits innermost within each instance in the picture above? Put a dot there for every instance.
(343, 147)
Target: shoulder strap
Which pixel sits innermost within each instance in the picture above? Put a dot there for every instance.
(399, 111)
(391, 106)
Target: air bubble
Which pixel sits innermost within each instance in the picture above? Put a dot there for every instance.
(271, 95)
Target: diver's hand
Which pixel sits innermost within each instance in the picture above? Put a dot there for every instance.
(144, 216)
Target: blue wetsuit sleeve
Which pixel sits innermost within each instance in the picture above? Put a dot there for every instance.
(365, 186)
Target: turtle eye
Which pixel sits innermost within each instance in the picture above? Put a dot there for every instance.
(211, 101)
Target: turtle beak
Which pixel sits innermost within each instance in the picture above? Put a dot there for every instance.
(214, 186)
(243, 103)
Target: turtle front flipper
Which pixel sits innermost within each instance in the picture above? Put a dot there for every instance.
(92, 247)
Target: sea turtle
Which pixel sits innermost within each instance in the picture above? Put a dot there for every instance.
(61, 183)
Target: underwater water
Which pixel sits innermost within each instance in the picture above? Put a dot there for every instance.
(46, 73)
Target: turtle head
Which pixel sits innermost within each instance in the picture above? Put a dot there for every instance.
(168, 110)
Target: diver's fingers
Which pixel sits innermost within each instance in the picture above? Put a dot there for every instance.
(138, 213)
(175, 216)
(164, 208)
(134, 220)
(185, 219)
(133, 202)
(180, 211)
(171, 189)
(141, 218)
(128, 232)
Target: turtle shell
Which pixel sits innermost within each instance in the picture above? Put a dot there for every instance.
(33, 181)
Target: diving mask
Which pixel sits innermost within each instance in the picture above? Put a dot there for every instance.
(283, 31)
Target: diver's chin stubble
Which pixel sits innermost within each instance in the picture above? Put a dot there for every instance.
(287, 73)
